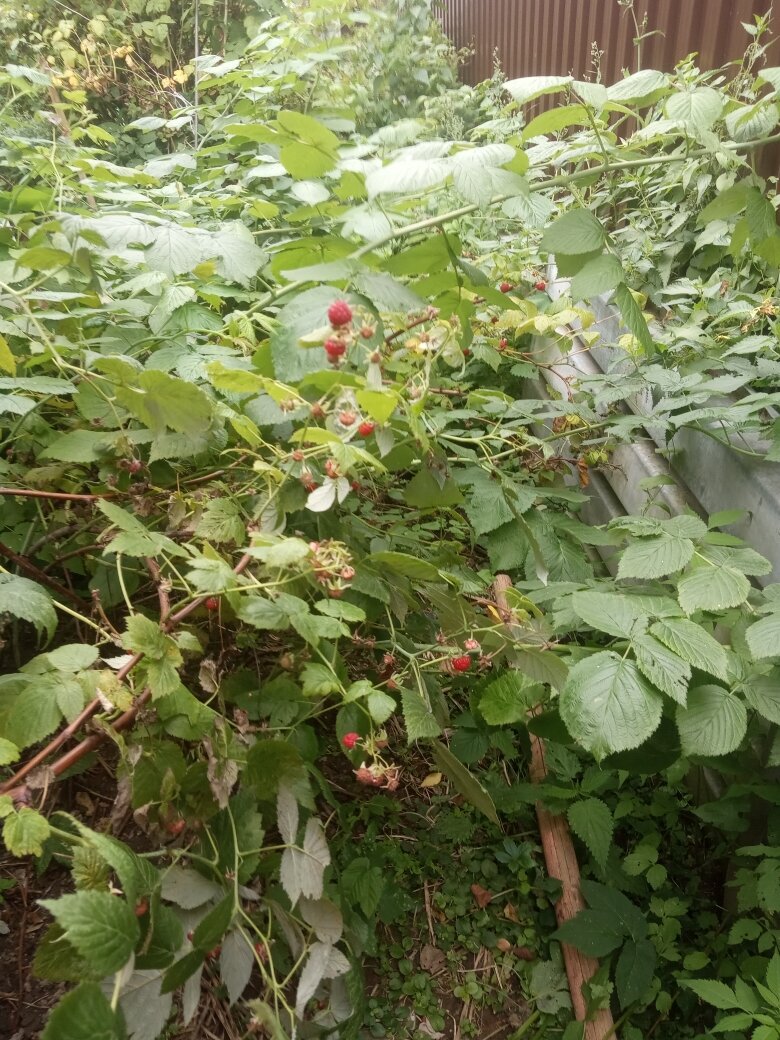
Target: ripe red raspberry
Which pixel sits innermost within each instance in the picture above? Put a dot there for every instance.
(462, 663)
(347, 417)
(335, 349)
(503, 343)
(339, 313)
(506, 287)
(349, 740)
(212, 603)
(541, 285)
(366, 429)
(467, 352)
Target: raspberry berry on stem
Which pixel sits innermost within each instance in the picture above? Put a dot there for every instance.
(339, 313)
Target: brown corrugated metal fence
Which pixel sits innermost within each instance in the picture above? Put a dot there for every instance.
(554, 37)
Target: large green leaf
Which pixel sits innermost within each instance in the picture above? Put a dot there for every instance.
(632, 315)
(576, 231)
(508, 698)
(708, 586)
(464, 781)
(25, 599)
(597, 276)
(595, 932)
(713, 722)
(638, 87)
(662, 667)
(529, 87)
(25, 831)
(84, 1014)
(607, 705)
(762, 693)
(591, 821)
(610, 612)
(763, 638)
(696, 109)
(419, 720)
(655, 557)
(164, 402)
(634, 970)
(102, 927)
(693, 644)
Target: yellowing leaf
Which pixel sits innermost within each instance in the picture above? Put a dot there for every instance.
(7, 360)
(431, 780)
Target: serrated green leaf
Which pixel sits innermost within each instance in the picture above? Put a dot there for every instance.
(221, 521)
(363, 883)
(697, 108)
(135, 539)
(464, 780)
(102, 927)
(713, 722)
(591, 821)
(632, 315)
(556, 119)
(610, 612)
(25, 831)
(419, 720)
(713, 992)
(380, 706)
(607, 705)
(508, 698)
(25, 599)
(595, 932)
(763, 638)
(35, 713)
(693, 644)
(709, 586)
(762, 693)
(655, 557)
(662, 667)
(84, 1014)
(9, 752)
(163, 402)
(402, 563)
(575, 232)
(597, 276)
(529, 87)
(637, 87)
(634, 970)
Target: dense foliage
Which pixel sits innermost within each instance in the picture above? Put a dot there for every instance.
(273, 418)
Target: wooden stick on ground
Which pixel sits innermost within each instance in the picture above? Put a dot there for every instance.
(561, 860)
